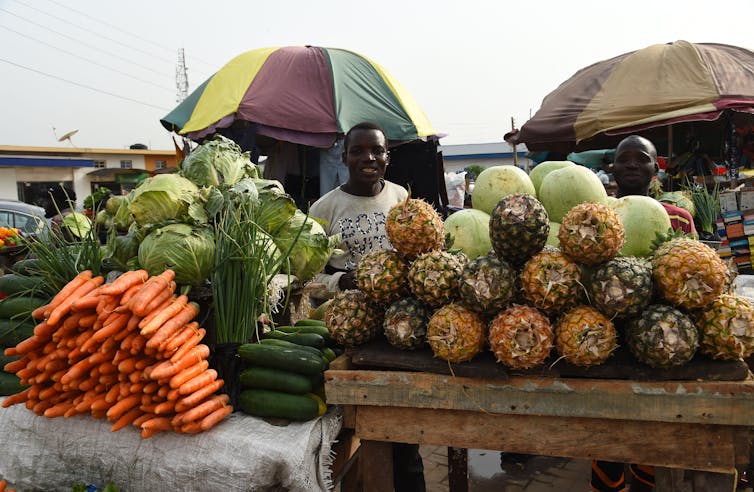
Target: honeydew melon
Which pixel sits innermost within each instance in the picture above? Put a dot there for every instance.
(497, 182)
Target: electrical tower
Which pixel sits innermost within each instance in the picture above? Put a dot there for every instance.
(181, 77)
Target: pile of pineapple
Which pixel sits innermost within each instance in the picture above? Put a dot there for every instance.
(524, 299)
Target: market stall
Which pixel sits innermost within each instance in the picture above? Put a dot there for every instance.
(244, 453)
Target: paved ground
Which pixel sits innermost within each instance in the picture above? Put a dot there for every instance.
(538, 474)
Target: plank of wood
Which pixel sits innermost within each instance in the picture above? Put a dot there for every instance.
(692, 446)
(723, 403)
(376, 466)
(622, 365)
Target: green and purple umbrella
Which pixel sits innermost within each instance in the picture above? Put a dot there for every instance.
(301, 94)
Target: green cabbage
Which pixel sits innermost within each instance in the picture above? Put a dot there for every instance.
(275, 207)
(188, 251)
(77, 224)
(310, 249)
(122, 219)
(120, 249)
(163, 197)
(218, 162)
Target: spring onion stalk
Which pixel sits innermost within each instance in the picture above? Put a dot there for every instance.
(706, 205)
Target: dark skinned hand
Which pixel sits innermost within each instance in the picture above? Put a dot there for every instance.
(347, 281)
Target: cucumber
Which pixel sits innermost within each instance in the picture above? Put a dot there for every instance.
(285, 358)
(275, 379)
(10, 384)
(319, 330)
(268, 403)
(328, 353)
(29, 266)
(22, 306)
(309, 322)
(13, 283)
(310, 339)
(14, 331)
(283, 343)
(321, 406)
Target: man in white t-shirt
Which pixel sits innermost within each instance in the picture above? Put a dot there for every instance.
(357, 210)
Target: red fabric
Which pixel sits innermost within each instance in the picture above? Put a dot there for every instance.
(680, 219)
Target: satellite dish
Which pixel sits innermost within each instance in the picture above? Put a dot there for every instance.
(67, 136)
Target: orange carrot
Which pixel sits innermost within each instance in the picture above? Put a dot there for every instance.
(162, 391)
(82, 366)
(210, 420)
(173, 394)
(40, 407)
(44, 330)
(175, 307)
(187, 346)
(122, 406)
(150, 387)
(138, 344)
(188, 373)
(16, 398)
(88, 302)
(157, 423)
(65, 305)
(143, 418)
(113, 326)
(190, 428)
(147, 433)
(127, 366)
(136, 388)
(11, 352)
(16, 365)
(88, 320)
(169, 368)
(109, 345)
(171, 344)
(39, 313)
(143, 362)
(153, 288)
(32, 343)
(197, 382)
(126, 419)
(133, 323)
(195, 398)
(203, 409)
(124, 282)
(59, 409)
(113, 393)
(128, 295)
(172, 325)
(165, 407)
(3, 484)
(67, 290)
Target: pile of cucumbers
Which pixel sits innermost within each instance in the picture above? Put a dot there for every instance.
(284, 372)
(16, 323)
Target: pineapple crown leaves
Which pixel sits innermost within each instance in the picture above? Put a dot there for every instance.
(663, 237)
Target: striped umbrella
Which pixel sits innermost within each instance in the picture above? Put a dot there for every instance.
(301, 94)
(651, 87)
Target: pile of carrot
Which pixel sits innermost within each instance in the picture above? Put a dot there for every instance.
(128, 351)
(4, 487)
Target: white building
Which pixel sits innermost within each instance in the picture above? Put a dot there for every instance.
(457, 157)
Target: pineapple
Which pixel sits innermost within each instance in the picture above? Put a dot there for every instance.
(487, 284)
(622, 287)
(591, 233)
(405, 324)
(585, 337)
(662, 337)
(352, 319)
(434, 277)
(382, 275)
(726, 328)
(455, 333)
(521, 337)
(550, 281)
(518, 228)
(414, 227)
(688, 273)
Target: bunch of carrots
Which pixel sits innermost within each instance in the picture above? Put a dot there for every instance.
(4, 487)
(128, 351)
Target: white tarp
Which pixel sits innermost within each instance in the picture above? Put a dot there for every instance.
(242, 453)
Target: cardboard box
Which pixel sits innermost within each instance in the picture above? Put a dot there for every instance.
(746, 200)
(735, 231)
(728, 202)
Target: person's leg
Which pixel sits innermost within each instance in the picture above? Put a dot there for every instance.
(643, 478)
(608, 476)
(408, 468)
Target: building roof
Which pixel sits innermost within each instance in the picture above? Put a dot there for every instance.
(76, 151)
(481, 151)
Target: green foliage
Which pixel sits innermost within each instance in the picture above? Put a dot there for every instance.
(473, 170)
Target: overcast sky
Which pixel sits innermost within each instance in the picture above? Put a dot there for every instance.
(107, 69)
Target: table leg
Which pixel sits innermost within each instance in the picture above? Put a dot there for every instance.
(458, 461)
(376, 466)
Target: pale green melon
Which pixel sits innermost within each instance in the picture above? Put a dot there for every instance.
(470, 231)
(543, 169)
(642, 218)
(564, 188)
(497, 182)
(552, 236)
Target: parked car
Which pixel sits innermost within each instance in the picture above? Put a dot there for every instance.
(30, 219)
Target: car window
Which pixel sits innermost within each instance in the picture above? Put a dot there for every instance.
(6, 218)
(27, 223)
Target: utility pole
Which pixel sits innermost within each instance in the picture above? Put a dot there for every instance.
(181, 77)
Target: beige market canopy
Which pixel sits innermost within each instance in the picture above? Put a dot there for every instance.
(651, 87)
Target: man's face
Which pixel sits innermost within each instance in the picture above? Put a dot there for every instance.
(633, 168)
(366, 157)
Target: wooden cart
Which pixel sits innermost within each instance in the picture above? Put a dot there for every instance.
(678, 424)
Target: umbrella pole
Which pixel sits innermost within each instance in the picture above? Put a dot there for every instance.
(670, 145)
(515, 154)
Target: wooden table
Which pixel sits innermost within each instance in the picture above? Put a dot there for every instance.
(697, 425)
